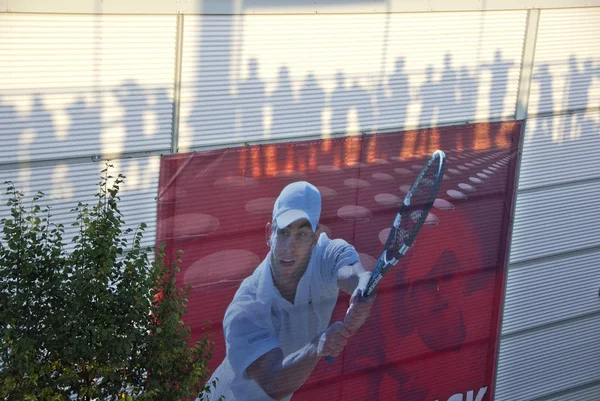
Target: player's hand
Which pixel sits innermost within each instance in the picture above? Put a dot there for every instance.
(359, 310)
(333, 340)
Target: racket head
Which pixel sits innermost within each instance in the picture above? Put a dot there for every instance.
(410, 218)
(419, 200)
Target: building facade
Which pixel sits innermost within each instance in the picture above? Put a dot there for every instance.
(129, 81)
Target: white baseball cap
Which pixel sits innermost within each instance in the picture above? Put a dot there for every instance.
(298, 200)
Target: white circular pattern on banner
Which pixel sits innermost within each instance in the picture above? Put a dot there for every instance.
(492, 168)
(383, 176)
(354, 213)
(488, 172)
(443, 204)
(356, 183)
(383, 235)
(481, 175)
(223, 269)
(326, 192)
(446, 177)
(454, 171)
(380, 162)
(328, 169)
(432, 220)
(475, 180)
(189, 225)
(456, 194)
(416, 166)
(469, 165)
(388, 199)
(235, 182)
(261, 206)
(397, 158)
(403, 171)
(466, 187)
(404, 188)
(367, 261)
(357, 165)
(463, 168)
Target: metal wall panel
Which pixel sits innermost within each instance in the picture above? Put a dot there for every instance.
(567, 57)
(82, 85)
(551, 221)
(295, 76)
(550, 291)
(66, 184)
(560, 149)
(587, 394)
(544, 362)
(278, 7)
(549, 346)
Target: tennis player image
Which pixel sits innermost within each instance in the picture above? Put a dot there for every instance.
(277, 326)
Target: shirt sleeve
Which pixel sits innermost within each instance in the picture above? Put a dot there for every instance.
(249, 334)
(337, 254)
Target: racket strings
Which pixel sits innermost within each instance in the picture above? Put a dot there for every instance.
(422, 197)
(395, 242)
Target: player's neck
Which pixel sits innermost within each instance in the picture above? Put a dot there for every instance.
(286, 286)
(288, 294)
(287, 289)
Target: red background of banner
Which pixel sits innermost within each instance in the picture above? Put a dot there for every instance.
(434, 329)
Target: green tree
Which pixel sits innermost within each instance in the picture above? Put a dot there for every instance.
(174, 370)
(31, 275)
(96, 319)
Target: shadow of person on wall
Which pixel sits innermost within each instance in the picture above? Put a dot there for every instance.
(427, 96)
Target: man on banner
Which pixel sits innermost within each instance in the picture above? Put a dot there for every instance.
(277, 326)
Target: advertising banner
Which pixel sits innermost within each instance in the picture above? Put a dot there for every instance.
(433, 329)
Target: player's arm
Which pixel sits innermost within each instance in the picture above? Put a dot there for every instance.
(279, 377)
(353, 279)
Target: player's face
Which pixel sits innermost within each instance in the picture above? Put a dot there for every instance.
(291, 249)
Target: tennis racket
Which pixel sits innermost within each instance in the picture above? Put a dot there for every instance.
(410, 218)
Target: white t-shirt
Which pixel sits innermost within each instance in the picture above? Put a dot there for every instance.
(259, 319)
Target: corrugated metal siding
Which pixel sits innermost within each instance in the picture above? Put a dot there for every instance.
(551, 329)
(66, 184)
(567, 54)
(553, 221)
(292, 76)
(551, 291)
(588, 394)
(81, 85)
(544, 362)
(553, 154)
(276, 6)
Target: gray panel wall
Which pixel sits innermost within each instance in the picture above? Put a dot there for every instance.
(551, 320)
(75, 88)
